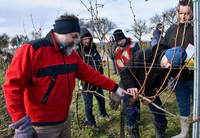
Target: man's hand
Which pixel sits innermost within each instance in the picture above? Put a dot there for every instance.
(133, 91)
(23, 128)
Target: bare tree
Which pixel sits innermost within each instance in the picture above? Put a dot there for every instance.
(140, 29)
(101, 27)
(19, 40)
(36, 34)
(23, 39)
(157, 18)
(4, 40)
(170, 16)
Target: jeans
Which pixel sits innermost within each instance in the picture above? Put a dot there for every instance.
(159, 115)
(113, 64)
(184, 90)
(171, 86)
(88, 101)
(133, 114)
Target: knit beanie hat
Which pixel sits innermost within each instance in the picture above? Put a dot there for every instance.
(66, 26)
(118, 34)
(159, 25)
(176, 55)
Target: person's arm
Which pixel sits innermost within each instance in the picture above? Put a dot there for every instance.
(17, 77)
(129, 73)
(130, 70)
(126, 75)
(88, 74)
(128, 80)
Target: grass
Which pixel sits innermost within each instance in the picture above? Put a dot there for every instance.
(110, 129)
(5, 120)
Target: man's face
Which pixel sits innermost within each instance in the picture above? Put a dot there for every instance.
(86, 41)
(184, 14)
(121, 42)
(164, 63)
(68, 41)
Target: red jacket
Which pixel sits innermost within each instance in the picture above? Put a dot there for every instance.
(39, 68)
(124, 54)
(122, 57)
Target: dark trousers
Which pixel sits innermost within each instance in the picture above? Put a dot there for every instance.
(159, 115)
(133, 113)
(88, 100)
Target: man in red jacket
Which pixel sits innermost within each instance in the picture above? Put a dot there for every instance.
(41, 78)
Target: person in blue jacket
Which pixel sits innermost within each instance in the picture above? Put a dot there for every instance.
(157, 33)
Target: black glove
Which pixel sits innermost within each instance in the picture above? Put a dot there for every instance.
(115, 101)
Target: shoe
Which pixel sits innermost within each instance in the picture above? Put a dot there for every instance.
(95, 128)
(106, 117)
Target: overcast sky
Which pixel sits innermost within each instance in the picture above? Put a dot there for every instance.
(15, 14)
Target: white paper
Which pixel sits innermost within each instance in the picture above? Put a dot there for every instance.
(190, 51)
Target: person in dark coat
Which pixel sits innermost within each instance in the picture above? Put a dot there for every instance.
(134, 73)
(88, 52)
(182, 33)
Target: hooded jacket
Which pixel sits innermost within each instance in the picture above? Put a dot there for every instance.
(41, 70)
(156, 37)
(188, 38)
(90, 55)
(137, 66)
